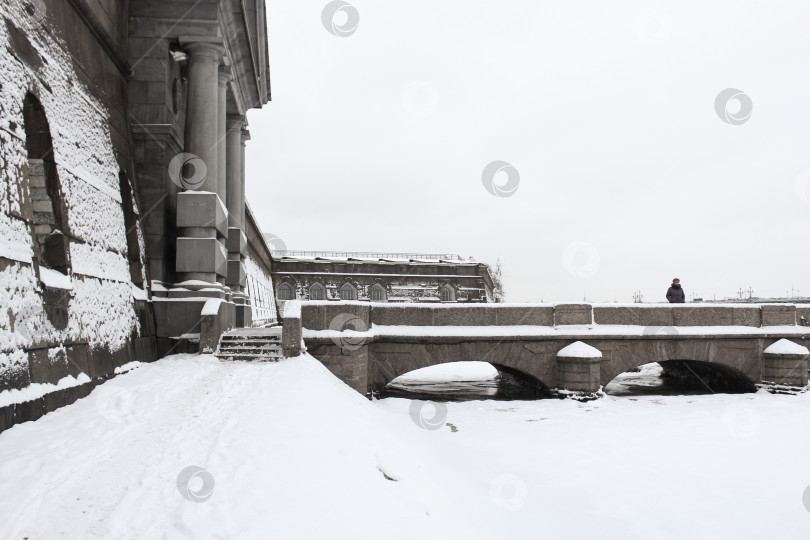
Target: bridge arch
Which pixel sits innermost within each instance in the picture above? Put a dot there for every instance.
(733, 358)
(506, 383)
(680, 377)
(387, 361)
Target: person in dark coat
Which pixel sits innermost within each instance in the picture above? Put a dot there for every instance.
(675, 294)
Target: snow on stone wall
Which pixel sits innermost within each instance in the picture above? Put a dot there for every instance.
(101, 310)
(260, 290)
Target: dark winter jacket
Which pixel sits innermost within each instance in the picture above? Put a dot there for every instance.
(675, 295)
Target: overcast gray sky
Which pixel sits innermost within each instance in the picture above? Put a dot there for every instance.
(628, 176)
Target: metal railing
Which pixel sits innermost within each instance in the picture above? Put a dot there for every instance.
(367, 255)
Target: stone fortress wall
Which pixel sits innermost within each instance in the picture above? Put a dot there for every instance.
(74, 284)
(108, 250)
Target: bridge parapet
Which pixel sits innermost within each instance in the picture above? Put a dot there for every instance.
(320, 315)
(803, 315)
(678, 315)
(778, 314)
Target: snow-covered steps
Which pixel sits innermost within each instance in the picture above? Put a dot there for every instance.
(251, 344)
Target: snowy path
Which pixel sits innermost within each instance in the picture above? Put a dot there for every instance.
(295, 454)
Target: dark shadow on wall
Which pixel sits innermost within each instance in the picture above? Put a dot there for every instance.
(131, 224)
(680, 377)
(706, 377)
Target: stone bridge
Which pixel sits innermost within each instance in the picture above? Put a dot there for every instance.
(367, 345)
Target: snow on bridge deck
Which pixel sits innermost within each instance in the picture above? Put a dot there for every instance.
(568, 331)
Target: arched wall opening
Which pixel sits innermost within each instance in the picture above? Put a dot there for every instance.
(680, 377)
(50, 225)
(466, 381)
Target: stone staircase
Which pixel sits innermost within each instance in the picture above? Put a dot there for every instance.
(251, 344)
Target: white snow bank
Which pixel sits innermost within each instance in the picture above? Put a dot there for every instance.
(292, 309)
(784, 346)
(211, 307)
(55, 279)
(98, 262)
(195, 283)
(15, 238)
(579, 350)
(37, 390)
(295, 454)
(129, 366)
(454, 371)
(139, 293)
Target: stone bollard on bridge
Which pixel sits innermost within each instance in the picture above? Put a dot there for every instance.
(785, 362)
(291, 336)
(578, 367)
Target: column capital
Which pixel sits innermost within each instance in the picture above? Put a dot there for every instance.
(200, 47)
(235, 122)
(245, 136)
(225, 75)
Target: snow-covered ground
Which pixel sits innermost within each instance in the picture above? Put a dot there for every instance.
(286, 451)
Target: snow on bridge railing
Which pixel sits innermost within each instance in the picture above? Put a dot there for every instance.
(653, 317)
(368, 255)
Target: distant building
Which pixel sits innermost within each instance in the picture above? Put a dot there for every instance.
(380, 277)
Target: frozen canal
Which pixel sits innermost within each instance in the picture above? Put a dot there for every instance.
(287, 451)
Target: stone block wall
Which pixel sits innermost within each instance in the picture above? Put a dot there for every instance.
(778, 315)
(326, 315)
(350, 366)
(86, 311)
